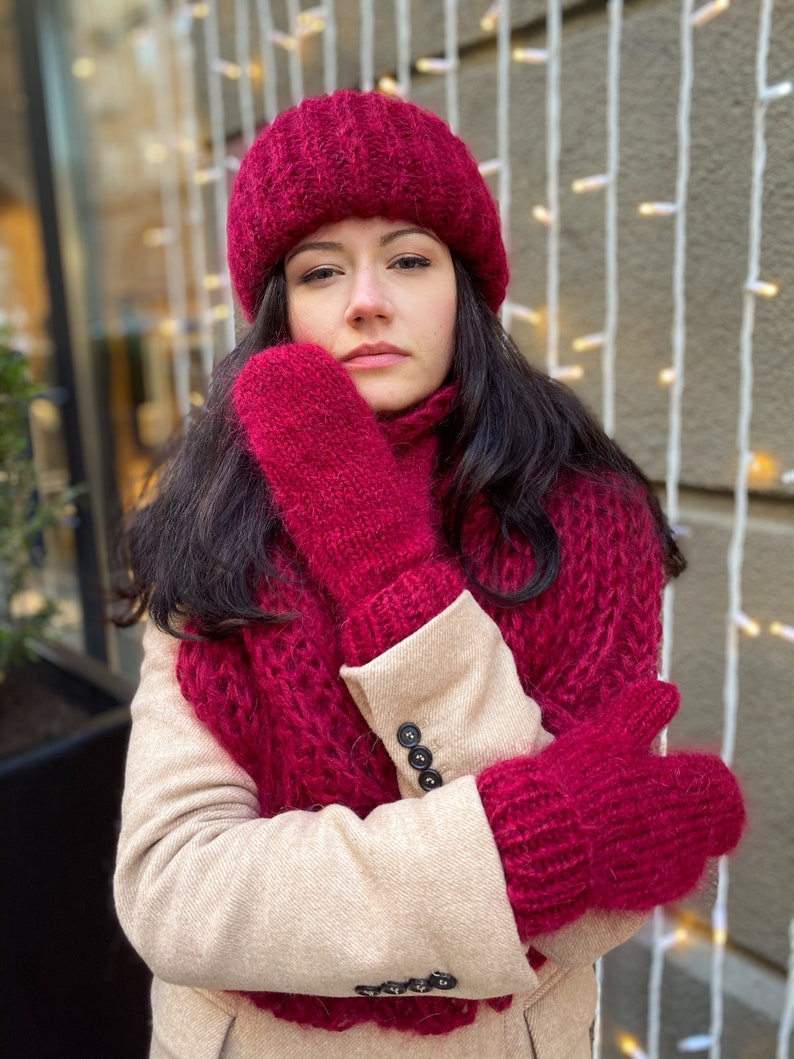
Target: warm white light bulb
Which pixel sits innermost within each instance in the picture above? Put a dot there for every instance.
(763, 289)
(585, 343)
(568, 372)
(657, 209)
(530, 56)
(709, 11)
(490, 19)
(83, 67)
(541, 214)
(751, 627)
(431, 65)
(666, 376)
(591, 183)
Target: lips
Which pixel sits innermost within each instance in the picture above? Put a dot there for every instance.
(374, 355)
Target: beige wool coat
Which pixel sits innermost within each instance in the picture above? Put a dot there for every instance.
(217, 899)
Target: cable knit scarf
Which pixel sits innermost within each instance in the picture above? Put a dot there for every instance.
(273, 697)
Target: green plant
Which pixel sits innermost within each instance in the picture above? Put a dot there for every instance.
(24, 516)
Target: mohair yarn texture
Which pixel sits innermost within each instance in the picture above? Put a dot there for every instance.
(273, 696)
(359, 154)
(599, 821)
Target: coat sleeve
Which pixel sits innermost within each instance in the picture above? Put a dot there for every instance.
(461, 698)
(207, 891)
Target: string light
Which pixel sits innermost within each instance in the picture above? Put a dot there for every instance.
(674, 938)
(432, 65)
(493, 165)
(631, 1047)
(157, 237)
(155, 153)
(390, 87)
(709, 11)
(697, 1043)
(762, 289)
(785, 632)
(282, 40)
(210, 175)
(214, 281)
(567, 372)
(591, 183)
(198, 10)
(83, 67)
(542, 215)
(750, 626)
(311, 21)
(657, 209)
(168, 327)
(228, 69)
(523, 312)
(764, 468)
(586, 343)
(490, 19)
(666, 376)
(530, 56)
(775, 92)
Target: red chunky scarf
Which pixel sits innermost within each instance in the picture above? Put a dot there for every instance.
(272, 695)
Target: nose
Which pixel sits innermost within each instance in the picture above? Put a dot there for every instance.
(368, 299)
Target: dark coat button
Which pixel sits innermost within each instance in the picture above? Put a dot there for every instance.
(420, 985)
(408, 734)
(394, 988)
(440, 980)
(420, 758)
(430, 779)
(368, 990)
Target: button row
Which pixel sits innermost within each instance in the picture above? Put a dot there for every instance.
(437, 980)
(419, 757)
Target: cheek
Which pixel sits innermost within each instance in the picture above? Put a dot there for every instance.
(303, 326)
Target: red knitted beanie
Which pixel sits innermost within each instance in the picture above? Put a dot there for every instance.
(359, 154)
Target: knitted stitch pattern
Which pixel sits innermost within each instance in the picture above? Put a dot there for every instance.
(598, 821)
(273, 697)
(359, 154)
(359, 513)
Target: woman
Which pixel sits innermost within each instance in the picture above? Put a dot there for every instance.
(390, 787)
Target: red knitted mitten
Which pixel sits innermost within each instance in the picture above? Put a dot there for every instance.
(598, 821)
(362, 524)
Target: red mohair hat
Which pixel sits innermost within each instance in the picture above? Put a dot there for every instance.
(359, 154)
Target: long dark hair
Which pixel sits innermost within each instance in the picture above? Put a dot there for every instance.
(201, 547)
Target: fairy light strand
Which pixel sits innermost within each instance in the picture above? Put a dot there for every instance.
(402, 16)
(553, 103)
(267, 54)
(608, 355)
(218, 154)
(741, 492)
(294, 59)
(330, 42)
(503, 116)
(787, 1019)
(245, 95)
(451, 53)
(175, 280)
(367, 45)
(185, 67)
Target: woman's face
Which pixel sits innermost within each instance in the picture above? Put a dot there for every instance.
(380, 296)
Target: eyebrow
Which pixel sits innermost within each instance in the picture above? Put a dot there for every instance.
(385, 240)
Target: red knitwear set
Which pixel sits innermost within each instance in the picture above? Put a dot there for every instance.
(594, 824)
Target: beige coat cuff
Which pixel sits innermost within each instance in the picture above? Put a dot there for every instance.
(456, 679)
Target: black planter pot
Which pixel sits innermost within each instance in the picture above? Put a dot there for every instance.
(71, 984)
